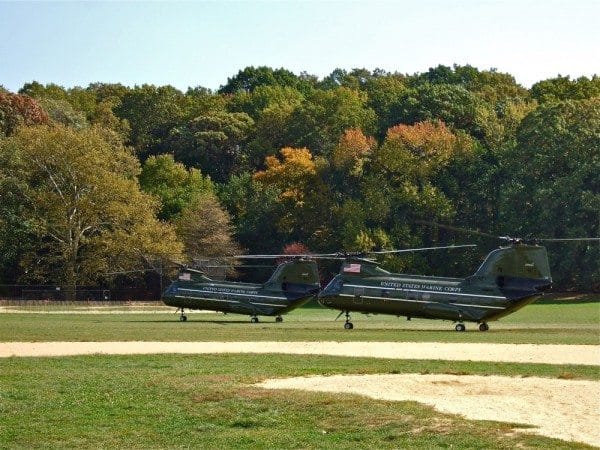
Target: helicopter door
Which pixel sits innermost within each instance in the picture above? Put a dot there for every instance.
(358, 295)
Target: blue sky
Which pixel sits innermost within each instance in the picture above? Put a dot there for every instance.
(203, 43)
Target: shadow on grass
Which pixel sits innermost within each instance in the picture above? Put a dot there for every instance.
(564, 298)
(218, 322)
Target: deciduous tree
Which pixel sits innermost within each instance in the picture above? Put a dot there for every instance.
(16, 110)
(205, 229)
(213, 143)
(84, 204)
(175, 186)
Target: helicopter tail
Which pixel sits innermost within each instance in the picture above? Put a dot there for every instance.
(298, 276)
(518, 267)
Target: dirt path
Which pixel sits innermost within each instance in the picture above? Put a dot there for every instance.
(523, 353)
(563, 409)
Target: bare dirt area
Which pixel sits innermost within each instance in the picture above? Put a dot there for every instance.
(521, 353)
(563, 409)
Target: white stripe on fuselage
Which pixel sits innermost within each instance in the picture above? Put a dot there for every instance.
(228, 301)
(231, 293)
(394, 299)
(422, 291)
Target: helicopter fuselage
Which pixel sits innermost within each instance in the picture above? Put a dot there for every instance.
(239, 298)
(425, 297)
(508, 279)
(291, 285)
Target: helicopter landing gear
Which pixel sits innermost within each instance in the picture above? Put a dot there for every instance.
(182, 317)
(278, 319)
(483, 326)
(460, 327)
(254, 319)
(348, 325)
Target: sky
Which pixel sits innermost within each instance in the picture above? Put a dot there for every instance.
(189, 44)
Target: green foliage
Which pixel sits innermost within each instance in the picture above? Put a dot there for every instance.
(506, 160)
(555, 186)
(320, 121)
(151, 112)
(80, 195)
(254, 208)
(250, 78)
(213, 143)
(452, 104)
(61, 111)
(175, 186)
(563, 88)
(264, 97)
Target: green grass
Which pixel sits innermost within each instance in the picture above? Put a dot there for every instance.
(174, 401)
(544, 323)
(208, 401)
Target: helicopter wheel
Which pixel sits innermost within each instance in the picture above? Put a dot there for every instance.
(254, 319)
(483, 326)
(348, 325)
(460, 327)
(182, 318)
(278, 319)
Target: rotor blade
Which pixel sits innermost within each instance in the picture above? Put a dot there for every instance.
(231, 266)
(422, 249)
(123, 272)
(452, 228)
(323, 255)
(567, 239)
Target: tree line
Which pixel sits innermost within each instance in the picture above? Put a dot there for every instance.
(107, 180)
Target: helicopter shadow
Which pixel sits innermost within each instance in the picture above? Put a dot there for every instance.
(204, 321)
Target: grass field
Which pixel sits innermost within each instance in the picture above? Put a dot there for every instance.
(564, 322)
(208, 401)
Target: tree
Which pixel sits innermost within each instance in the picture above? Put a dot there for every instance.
(347, 164)
(356, 79)
(320, 121)
(151, 113)
(16, 110)
(399, 186)
(293, 175)
(254, 210)
(419, 151)
(302, 196)
(490, 85)
(264, 97)
(563, 88)
(61, 111)
(175, 186)
(351, 151)
(84, 204)
(554, 189)
(251, 77)
(205, 229)
(384, 94)
(452, 104)
(212, 143)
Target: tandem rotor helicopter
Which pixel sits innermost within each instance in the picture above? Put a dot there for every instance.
(509, 278)
(292, 284)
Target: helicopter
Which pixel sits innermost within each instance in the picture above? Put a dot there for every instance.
(509, 278)
(292, 284)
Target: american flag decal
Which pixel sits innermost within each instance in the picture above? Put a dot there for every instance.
(352, 268)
